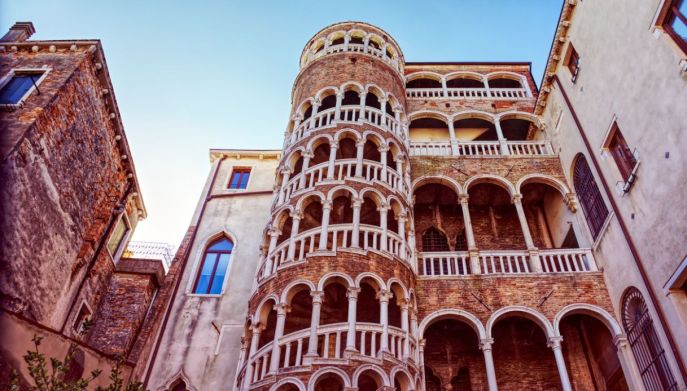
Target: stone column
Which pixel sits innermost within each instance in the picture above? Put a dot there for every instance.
(347, 40)
(470, 236)
(356, 204)
(248, 377)
(366, 43)
(314, 324)
(274, 236)
(405, 328)
(383, 149)
(282, 310)
(339, 99)
(332, 159)
(363, 96)
(315, 106)
(384, 241)
(382, 119)
(306, 163)
(401, 174)
(555, 345)
(444, 88)
(297, 118)
(286, 174)
(485, 345)
(503, 143)
(384, 297)
(452, 138)
(324, 234)
(360, 144)
(629, 365)
(296, 216)
(402, 233)
(535, 264)
(352, 295)
(413, 332)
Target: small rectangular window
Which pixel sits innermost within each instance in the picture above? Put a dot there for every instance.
(239, 178)
(675, 23)
(573, 62)
(117, 237)
(15, 89)
(621, 152)
(83, 320)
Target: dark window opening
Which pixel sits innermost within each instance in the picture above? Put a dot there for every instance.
(573, 62)
(464, 83)
(351, 98)
(329, 102)
(593, 205)
(504, 83)
(423, 83)
(621, 152)
(239, 178)
(214, 267)
(357, 40)
(434, 240)
(15, 89)
(338, 41)
(371, 100)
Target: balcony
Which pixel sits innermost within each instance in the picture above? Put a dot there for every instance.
(348, 115)
(481, 149)
(348, 47)
(467, 85)
(460, 263)
(468, 93)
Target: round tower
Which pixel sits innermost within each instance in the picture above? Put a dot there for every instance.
(334, 303)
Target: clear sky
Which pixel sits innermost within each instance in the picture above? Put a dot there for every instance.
(195, 75)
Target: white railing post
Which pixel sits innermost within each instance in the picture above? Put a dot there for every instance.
(282, 310)
(485, 345)
(314, 324)
(248, 377)
(384, 297)
(296, 217)
(352, 295)
(324, 235)
(356, 204)
(332, 158)
(360, 145)
(383, 212)
(555, 345)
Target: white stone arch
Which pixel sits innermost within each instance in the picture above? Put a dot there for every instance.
(396, 200)
(394, 280)
(394, 101)
(180, 375)
(464, 75)
(424, 75)
(490, 178)
(587, 309)
(277, 213)
(285, 292)
(525, 312)
(260, 308)
(449, 313)
(370, 367)
(352, 86)
(198, 255)
(360, 277)
(357, 32)
(543, 178)
(467, 114)
(374, 137)
(399, 369)
(300, 204)
(311, 146)
(338, 189)
(323, 371)
(515, 114)
(334, 35)
(303, 106)
(506, 75)
(288, 380)
(438, 179)
(331, 275)
(429, 114)
(339, 133)
(378, 197)
(319, 95)
(377, 90)
(376, 38)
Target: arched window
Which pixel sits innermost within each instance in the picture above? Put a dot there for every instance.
(645, 344)
(214, 268)
(593, 205)
(178, 385)
(434, 240)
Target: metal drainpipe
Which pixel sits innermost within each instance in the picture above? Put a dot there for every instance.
(626, 234)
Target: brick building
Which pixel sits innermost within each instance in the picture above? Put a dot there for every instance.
(437, 226)
(70, 201)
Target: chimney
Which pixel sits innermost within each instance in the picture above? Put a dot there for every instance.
(20, 32)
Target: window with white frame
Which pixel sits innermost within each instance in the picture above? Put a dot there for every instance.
(18, 85)
(118, 238)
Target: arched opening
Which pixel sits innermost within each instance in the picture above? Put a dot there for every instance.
(347, 148)
(328, 102)
(549, 219)
(367, 308)
(369, 213)
(432, 381)
(356, 40)
(389, 109)
(452, 351)
(268, 323)
(296, 164)
(214, 267)
(334, 303)
(342, 212)
(395, 303)
(337, 41)
(320, 154)
(428, 130)
(329, 382)
(423, 82)
(402, 381)
(307, 113)
(522, 359)
(591, 355)
(494, 218)
(474, 129)
(516, 128)
(369, 381)
(645, 344)
(299, 301)
(502, 82)
(464, 82)
(392, 216)
(351, 98)
(372, 100)
(371, 151)
(178, 385)
(284, 222)
(438, 217)
(312, 214)
(288, 387)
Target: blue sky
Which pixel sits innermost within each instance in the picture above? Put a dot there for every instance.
(195, 75)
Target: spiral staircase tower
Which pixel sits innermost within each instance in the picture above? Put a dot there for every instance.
(335, 289)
